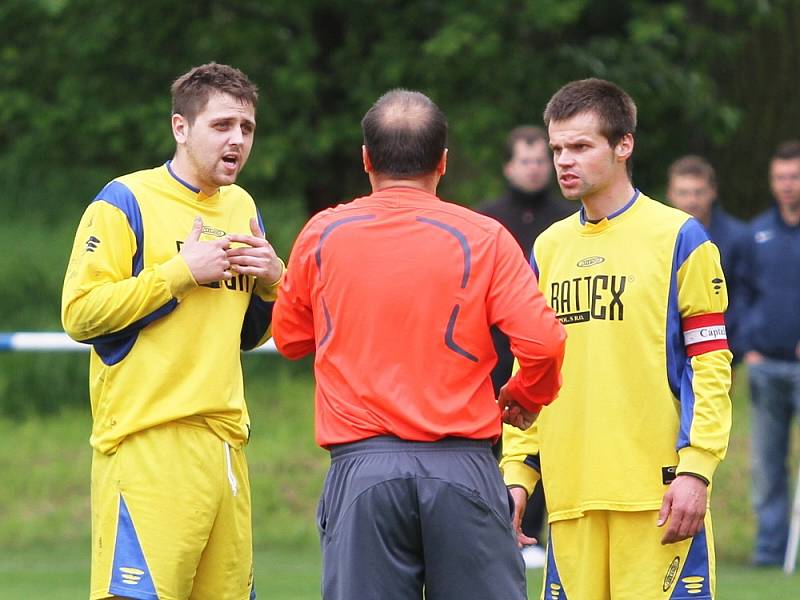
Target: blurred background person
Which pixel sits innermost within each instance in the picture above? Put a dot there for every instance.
(771, 348)
(527, 207)
(692, 187)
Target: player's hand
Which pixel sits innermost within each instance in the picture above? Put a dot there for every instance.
(520, 497)
(512, 413)
(256, 257)
(206, 260)
(684, 506)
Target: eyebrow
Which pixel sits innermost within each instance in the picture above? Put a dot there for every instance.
(216, 120)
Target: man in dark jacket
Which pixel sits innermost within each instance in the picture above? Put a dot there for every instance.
(526, 209)
(771, 348)
(692, 187)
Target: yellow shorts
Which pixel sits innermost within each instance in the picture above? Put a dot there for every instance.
(171, 518)
(607, 555)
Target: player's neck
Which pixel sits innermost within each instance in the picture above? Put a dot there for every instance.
(182, 169)
(607, 201)
(790, 214)
(426, 183)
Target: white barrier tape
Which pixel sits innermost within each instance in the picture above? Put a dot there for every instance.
(26, 341)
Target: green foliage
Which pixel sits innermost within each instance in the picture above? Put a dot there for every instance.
(84, 98)
(85, 82)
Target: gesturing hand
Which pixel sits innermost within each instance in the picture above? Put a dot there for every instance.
(206, 260)
(256, 257)
(512, 412)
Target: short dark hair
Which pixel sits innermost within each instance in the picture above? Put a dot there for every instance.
(405, 134)
(694, 166)
(614, 107)
(524, 133)
(788, 150)
(191, 91)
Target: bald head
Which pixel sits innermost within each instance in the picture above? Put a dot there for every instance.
(405, 134)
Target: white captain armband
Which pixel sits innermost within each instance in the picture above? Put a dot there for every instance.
(704, 333)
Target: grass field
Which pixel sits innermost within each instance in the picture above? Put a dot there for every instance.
(44, 507)
(293, 574)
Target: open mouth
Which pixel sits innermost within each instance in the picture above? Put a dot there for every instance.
(230, 160)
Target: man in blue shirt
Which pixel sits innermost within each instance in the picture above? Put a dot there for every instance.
(771, 348)
(692, 187)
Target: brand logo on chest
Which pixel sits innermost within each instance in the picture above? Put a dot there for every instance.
(582, 299)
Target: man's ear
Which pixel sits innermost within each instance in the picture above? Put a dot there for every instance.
(365, 159)
(624, 147)
(507, 169)
(441, 168)
(179, 128)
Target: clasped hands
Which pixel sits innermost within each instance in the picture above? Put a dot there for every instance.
(216, 260)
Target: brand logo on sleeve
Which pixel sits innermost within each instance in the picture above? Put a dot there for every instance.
(717, 283)
(92, 243)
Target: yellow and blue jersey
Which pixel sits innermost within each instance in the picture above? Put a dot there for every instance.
(163, 348)
(646, 373)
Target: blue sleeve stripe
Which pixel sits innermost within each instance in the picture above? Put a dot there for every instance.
(117, 194)
(261, 222)
(462, 240)
(691, 235)
(533, 461)
(679, 367)
(114, 347)
(687, 406)
(257, 320)
(534, 266)
(689, 238)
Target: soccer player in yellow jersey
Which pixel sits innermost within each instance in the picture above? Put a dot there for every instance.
(628, 452)
(170, 276)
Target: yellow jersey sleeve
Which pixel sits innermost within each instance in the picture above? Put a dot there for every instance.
(520, 462)
(102, 294)
(706, 411)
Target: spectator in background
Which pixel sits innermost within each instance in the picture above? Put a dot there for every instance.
(771, 348)
(692, 187)
(395, 293)
(526, 208)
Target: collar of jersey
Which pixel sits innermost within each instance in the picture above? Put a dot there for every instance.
(400, 193)
(185, 186)
(605, 223)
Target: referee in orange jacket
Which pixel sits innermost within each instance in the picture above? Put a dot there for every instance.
(396, 293)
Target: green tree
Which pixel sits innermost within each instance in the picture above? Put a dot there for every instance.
(84, 97)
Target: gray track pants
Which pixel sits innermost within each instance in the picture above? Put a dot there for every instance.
(398, 517)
